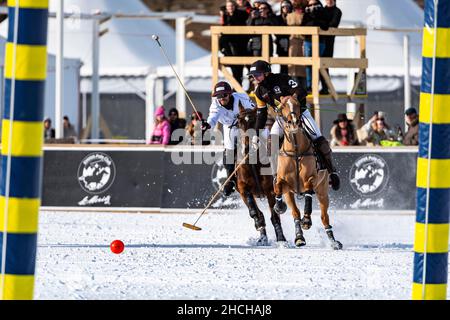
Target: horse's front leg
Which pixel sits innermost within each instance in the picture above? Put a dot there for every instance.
(279, 207)
(309, 187)
(275, 217)
(299, 238)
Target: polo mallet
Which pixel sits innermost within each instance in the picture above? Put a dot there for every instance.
(193, 226)
(156, 38)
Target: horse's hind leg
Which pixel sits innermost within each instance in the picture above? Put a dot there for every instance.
(258, 216)
(324, 203)
(299, 238)
(275, 218)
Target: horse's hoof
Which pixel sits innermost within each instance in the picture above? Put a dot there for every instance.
(306, 223)
(262, 241)
(336, 245)
(280, 207)
(300, 242)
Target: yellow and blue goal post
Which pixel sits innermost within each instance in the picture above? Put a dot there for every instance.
(433, 164)
(22, 141)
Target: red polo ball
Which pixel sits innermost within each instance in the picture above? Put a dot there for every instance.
(117, 246)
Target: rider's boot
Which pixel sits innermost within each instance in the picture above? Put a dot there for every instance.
(228, 162)
(324, 152)
(230, 187)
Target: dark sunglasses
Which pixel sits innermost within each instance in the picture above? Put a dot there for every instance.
(172, 114)
(222, 95)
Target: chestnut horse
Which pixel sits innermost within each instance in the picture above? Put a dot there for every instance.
(297, 174)
(251, 183)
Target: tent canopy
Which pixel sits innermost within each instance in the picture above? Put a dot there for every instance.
(127, 49)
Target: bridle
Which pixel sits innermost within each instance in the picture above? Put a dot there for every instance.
(293, 124)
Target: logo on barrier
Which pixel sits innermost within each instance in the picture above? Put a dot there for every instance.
(369, 175)
(96, 173)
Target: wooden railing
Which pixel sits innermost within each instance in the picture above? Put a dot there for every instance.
(318, 64)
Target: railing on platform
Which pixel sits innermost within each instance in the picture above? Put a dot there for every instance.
(318, 64)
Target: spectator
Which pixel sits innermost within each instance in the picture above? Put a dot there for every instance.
(175, 123)
(343, 132)
(161, 132)
(232, 45)
(333, 17)
(378, 130)
(282, 41)
(49, 132)
(69, 130)
(314, 17)
(263, 16)
(244, 5)
(412, 135)
(295, 18)
(194, 132)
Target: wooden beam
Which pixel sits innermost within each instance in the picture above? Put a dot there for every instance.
(283, 30)
(301, 61)
(238, 60)
(327, 79)
(215, 58)
(265, 47)
(343, 63)
(362, 46)
(357, 81)
(316, 78)
(234, 83)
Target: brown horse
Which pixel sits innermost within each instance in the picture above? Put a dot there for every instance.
(297, 174)
(251, 183)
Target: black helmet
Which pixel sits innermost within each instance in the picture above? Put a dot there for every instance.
(222, 87)
(259, 66)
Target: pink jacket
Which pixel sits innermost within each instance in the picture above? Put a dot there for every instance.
(161, 133)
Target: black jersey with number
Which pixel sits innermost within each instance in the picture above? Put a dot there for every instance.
(279, 85)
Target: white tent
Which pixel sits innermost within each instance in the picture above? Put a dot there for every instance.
(384, 48)
(71, 85)
(128, 55)
(127, 48)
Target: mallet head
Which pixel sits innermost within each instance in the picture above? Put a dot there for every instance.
(155, 37)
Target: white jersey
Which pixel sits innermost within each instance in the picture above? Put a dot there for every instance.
(217, 113)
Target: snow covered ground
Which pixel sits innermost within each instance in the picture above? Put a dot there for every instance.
(163, 260)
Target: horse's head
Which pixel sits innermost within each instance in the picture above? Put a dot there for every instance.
(291, 113)
(246, 120)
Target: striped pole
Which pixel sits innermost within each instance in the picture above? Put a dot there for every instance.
(433, 165)
(22, 140)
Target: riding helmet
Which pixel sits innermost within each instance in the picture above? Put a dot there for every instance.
(222, 87)
(259, 66)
